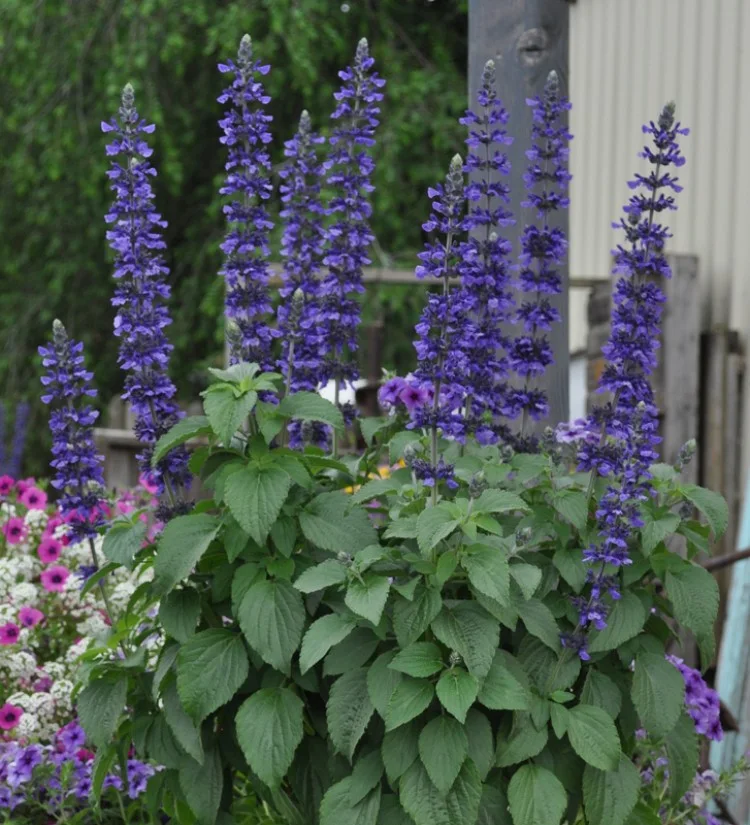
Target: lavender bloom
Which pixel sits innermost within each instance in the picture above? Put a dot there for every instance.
(349, 236)
(77, 465)
(138, 775)
(484, 267)
(702, 701)
(142, 291)
(246, 246)
(543, 249)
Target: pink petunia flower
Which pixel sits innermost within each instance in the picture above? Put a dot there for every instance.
(14, 530)
(52, 525)
(10, 716)
(148, 483)
(30, 616)
(49, 550)
(34, 498)
(54, 578)
(9, 633)
(23, 484)
(6, 485)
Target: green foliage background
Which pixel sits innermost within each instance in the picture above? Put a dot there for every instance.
(64, 63)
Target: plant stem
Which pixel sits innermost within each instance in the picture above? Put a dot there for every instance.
(336, 394)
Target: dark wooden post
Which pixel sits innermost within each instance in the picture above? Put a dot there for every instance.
(527, 39)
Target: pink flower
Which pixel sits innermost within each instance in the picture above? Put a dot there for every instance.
(54, 578)
(14, 530)
(49, 550)
(155, 529)
(9, 716)
(6, 485)
(30, 616)
(34, 498)
(9, 633)
(23, 484)
(147, 482)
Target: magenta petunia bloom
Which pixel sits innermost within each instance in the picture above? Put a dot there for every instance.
(148, 483)
(14, 530)
(54, 578)
(49, 550)
(23, 484)
(30, 616)
(34, 498)
(6, 485)
(9, 633)
(10, 716)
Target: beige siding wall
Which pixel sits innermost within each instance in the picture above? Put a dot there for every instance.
(627, 58)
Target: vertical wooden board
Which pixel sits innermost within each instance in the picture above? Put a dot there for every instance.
(527, 39)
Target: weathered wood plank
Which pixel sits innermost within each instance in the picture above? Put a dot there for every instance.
(527, 39)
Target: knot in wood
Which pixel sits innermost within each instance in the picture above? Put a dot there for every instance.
(532, 46)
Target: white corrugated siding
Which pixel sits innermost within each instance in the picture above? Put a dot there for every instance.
(627, 58)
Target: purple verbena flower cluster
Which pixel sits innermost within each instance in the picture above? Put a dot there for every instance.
(627, 425)
(348, 238)
(702, 702)
(248, 182)
(142, 290)
(543, 250)
(484, 267)
(77, 465)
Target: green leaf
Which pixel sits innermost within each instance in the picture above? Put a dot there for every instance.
(493, 809)
(626, 621)
(181, 546)
(499, 501)
(352, 653)
(569, 564)
(594, 737)
(181, 725)
(694, 594)
(103, 764)
(161, 744)
(179, 613)
(488, 572)
(524, 742)
(610, 796)
(272, 617)
(658, 693)
(419, 659)
(183, 431)
(643, 815)
(323, 575)
(309, 406)
(422, 801)
(683, 752)
(370, 427)
(94, 579)
(269, 729)
(560, 718)
(270, 422)
(410, 698)
(469, 630)
(527, 577)
(456, 689)
(163, 666)
(202, 785)
(536, 797)
(601, 691)
(100, 705)
(348, 711)
(374, 489)
(255, 496)
(399, 750)
(711, 504)
(284, 535)
(365, 776)
(226, 411)
(321, 636)
(443, 748)
(382, 681)
(433, 525)
(122, 541)
(336, 807)
(331, 523)
(572, 505)
(367, 597)
(211, 668)
(501, 690)
(540, 622)
(481, 742)
(656, 531)
(412, 618)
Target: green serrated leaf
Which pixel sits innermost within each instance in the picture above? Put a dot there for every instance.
(422, 801)
(560, 718)
(457, 689)
(536, 797)
(100, 705)
(321, 636)
(683, 753)
(572, 505)
(309, 406)
(255, 496)
(399, 750)
(443, 748)
(656, 531)
(412, 618)
(323, 575)
(433, 525)
(499, 501)
(202, 785)
(626, 621)
(367, 596)
(352, 653)
(410, 698)
(601, 691)
(527, 576)
(122, 541)
(481, 741)
(181, 545)
(331, 523)
(501, 690)
(610, 796)
(226, 411)
(694, 594)
(419, 659)
(488, 572)
(179, 613)
(569, 563)
(181, 725)
(711, 504)
(540, 622)
(382, 681)
(348, 711)
(658, 693)
(593, 735)
(374, 489)
(524, 742)
(469, 630)
(336, 807)
(185, 429)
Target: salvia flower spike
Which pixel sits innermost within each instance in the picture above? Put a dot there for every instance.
(246, 269)
(142, 291)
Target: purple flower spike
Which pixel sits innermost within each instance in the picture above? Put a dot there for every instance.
(702, 701)
(77, 465)
(350, 168)
(248, 182)
(142, 290)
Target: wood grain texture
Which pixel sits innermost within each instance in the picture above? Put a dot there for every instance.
(527, 39)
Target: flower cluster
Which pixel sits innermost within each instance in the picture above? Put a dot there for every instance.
(484, 267)
(77, 465)
(142, 290)
(246, 246)
(349, 236)
(543, 249)
(702, 702)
